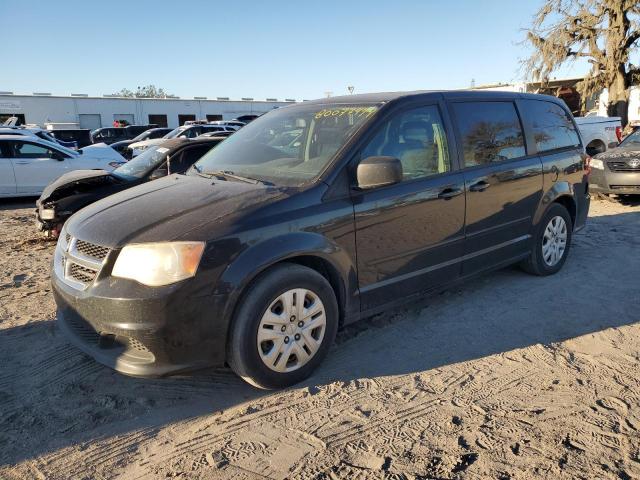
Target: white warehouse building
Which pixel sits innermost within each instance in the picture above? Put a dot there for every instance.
(94, 112)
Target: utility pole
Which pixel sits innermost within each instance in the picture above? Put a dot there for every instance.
(351, 88)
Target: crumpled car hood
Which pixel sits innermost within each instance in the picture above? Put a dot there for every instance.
(171, 208)
(71, 180)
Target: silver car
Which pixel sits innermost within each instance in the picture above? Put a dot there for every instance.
(618, 170)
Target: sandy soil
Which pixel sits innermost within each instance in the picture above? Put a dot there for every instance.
(507, 377)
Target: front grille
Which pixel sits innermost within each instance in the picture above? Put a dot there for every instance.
(77, 262)
(620, 166)
(81, 274)
(91, 250)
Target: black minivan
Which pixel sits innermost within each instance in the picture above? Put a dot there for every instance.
(315, 215)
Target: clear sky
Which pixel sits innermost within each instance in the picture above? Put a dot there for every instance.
(282, 49)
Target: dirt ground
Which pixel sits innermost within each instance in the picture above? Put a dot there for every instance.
(507, 377)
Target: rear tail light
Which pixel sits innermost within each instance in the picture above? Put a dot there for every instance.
(587, 164)
(619, 133)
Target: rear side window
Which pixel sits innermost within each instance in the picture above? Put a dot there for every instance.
(552, 126)
(491, 132)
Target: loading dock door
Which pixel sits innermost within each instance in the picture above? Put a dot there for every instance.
(158, 119)
(185, 118)
(90, 120)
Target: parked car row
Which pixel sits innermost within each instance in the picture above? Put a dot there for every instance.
(118, 135)
(111, 135)
(311, 217)
(191, 130)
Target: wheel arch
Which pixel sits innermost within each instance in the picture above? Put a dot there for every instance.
(596, 146)
(570, 204)
(562, 193)
(311, 250)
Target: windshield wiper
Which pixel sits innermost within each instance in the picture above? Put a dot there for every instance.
(226, 174)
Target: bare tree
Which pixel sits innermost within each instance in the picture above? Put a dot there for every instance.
(148, 91)
(604, 32)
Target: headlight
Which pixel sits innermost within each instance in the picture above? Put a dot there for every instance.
(156, 264)
(47, 213)
(596, 163)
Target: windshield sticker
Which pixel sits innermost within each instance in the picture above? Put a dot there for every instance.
(342, 111)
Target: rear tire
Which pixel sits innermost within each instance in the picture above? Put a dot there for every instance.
(283, 328)
(552, 241)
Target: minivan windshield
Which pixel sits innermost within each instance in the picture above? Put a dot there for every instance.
(288, 146)
(148, 160)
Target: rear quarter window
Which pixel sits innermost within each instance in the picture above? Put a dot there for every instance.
(551, 124)
(490, 132)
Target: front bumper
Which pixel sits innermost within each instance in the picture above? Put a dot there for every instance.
(141, 331)
(608, 181)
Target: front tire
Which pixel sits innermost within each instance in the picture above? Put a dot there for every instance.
(552, 242)
(283, 328)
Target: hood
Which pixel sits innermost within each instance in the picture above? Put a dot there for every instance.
(101, 151)
(176, 207)
(69, 182)
(625, 151)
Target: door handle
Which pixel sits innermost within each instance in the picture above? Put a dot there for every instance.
(22, 163)
(448, 193)
(481, 186)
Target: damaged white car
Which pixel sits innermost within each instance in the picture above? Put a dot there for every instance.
(29, 164)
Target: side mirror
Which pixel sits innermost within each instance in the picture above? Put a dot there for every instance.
(378, 171)
(159, 173)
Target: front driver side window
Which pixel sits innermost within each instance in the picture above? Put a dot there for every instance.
(417, 138)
